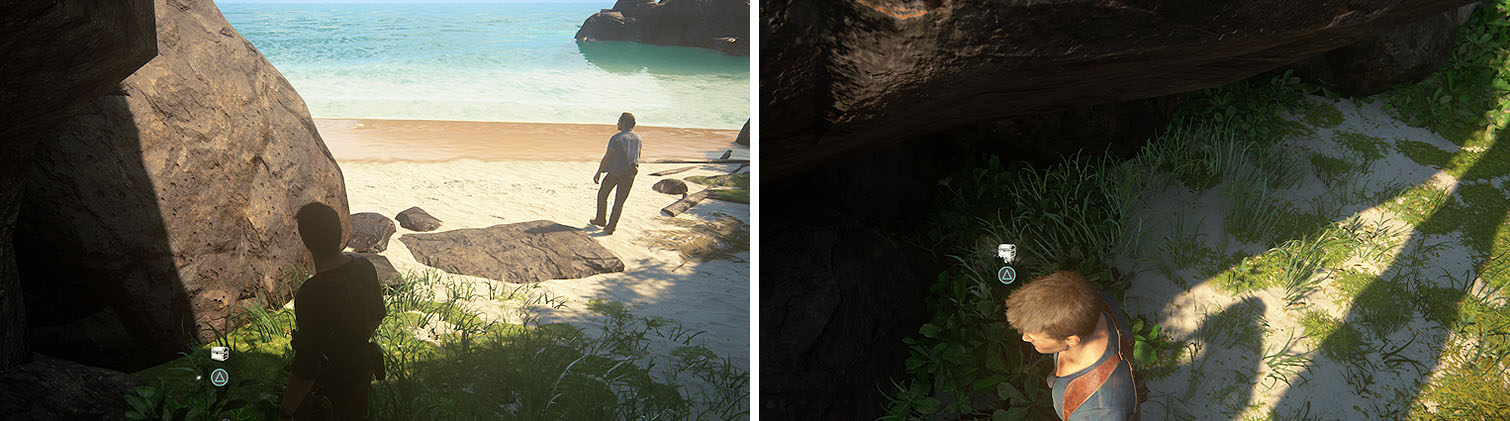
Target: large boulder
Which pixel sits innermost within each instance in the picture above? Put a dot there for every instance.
(841, 286)
(48, 388)
(1405, 54)
(163, 208)
(524, 252)
(849, 75)
(58, 56)
(744, 135)
(1120, 129)
(370, 232)
(718, 24)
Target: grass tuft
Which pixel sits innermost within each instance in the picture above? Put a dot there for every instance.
(1368, 147)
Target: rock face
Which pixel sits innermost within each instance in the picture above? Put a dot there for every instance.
(370, 232)
(847, 75)
(841, 291)
(744, 135)
(416, 219)
(670, 186)
(1121, 129)
(58, 55)
(524, 252)
(48, 388)
(1404, 54)
(161, 208)
(718, 24)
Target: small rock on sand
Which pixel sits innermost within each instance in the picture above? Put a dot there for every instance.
(370, 232)
(670, 186)
(416, 219)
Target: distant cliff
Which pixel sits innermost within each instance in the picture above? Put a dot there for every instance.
(719, 24)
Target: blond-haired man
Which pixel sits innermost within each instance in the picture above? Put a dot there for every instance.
(1063, 314)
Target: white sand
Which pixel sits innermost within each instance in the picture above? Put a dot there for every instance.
(1223, 383)
(709, 296)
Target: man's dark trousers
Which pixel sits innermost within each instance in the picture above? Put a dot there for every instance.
(610, 181)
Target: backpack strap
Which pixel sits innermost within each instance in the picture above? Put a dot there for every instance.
(1081, 388)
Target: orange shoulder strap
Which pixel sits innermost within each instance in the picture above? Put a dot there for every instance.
(1081, 389)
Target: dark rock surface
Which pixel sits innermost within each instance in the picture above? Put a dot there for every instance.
(1405, 54)
(841, 285)
(718, 24)
(385, 271)
(670, 186)
(58, 56)
(416, 219)
(161, 208)
(850, 75)
(370, 232)
(744, 135)
(524, 252)
(1120, 129)
(48, 388)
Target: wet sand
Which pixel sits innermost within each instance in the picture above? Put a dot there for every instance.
(438, 140)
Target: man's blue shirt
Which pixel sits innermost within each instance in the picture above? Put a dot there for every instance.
(623, 155)
(1117, 397)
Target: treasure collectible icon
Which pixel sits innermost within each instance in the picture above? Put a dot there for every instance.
(220, 353)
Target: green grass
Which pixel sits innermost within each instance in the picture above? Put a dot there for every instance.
(1318, 113)
(1464, 101)
(1346, 344)
(739, 183)
(1368, 147)
(475, 369)
(725, 180)
(1424, 153)
(1241, 326)
(1479, 215)
(723, 237)
(1419, 203)
(1385, 310)
(1474, 377)
(1284, 364)
(1329, 168)
(731, 195)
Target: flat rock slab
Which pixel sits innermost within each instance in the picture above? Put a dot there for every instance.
(522, 252)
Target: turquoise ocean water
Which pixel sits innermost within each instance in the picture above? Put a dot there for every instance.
(487, 62)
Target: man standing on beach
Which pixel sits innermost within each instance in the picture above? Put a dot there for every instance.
(1062, 314)
(621, 162)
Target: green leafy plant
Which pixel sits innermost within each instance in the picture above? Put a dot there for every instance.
(1144, 351)
(147, 404)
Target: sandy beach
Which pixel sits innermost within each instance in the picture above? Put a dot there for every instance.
(438, 140)
(476, 175)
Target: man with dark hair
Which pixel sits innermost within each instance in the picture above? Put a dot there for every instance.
(335, 311)
(621, 162)
(1062, 314)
